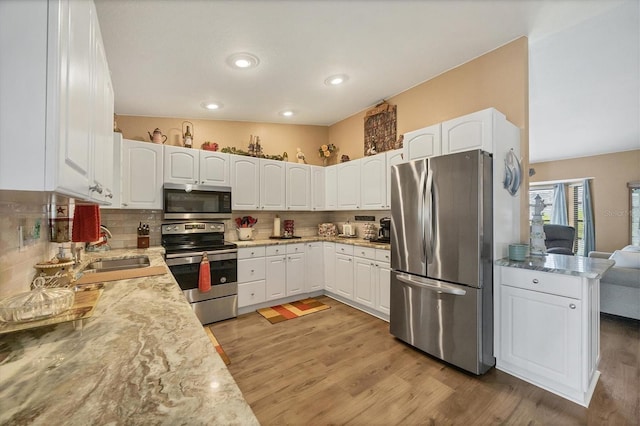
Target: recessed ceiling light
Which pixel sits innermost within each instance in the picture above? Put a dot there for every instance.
(212, 106)
(243, 60)
(287, 113)
(337, 79)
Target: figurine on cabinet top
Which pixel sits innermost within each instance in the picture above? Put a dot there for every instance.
(300, 156)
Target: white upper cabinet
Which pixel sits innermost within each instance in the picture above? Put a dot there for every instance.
(331, 188)
(298, 186)
(49, 79)
(394, 157)
(348, 185)
(317, 187)
(215, 168)
(245, 182)
(373, 182)
(422, 143)
(272, 184)
(181, 165)
(194, 166)
(472, 131)
(141, 175)
(102, 177)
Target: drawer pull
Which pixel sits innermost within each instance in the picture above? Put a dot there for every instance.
(252, 271)
(535, 281)
(572, 306)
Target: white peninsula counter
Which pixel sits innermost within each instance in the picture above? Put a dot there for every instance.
(547, 322)
(142, 358)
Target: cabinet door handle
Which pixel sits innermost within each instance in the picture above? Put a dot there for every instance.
(572, 306)
(535, 281)
(252, 271)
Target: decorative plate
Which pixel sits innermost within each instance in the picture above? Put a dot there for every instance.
(512, 173)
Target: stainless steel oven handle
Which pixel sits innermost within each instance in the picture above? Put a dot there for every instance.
(431, 285)
(199, 253)
(187, 260)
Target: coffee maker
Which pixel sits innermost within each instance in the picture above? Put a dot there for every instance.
(384, 235)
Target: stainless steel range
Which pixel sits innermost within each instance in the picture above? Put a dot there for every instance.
(184, 244)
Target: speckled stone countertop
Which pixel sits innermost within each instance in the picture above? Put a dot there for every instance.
(351, 241)
(579, 266)
(142, 358)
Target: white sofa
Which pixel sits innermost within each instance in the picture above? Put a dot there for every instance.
(620, 285)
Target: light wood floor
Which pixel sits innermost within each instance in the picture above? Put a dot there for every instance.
(341, 366)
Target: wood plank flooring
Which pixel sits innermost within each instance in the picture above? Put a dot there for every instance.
(341, 366)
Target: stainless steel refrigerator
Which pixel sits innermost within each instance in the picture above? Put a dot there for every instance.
(441, 258)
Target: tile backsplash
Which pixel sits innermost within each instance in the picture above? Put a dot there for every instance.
(16, 262)
(123, 224)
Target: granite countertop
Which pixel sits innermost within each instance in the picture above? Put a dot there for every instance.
(587, 267)
(351, 241)
(142, 358)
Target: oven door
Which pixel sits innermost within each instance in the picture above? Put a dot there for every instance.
(196, 201)
(224, 275)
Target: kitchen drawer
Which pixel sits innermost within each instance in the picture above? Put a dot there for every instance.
(276, 250)
(295, 248)
(251, 270)
(251, 293)
(544, 282)
(344, 249)
(366, 252)
(383, 255)
(250, 252)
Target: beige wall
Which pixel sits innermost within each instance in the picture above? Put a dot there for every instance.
(275, 138)
(611, 172)
(497, 79)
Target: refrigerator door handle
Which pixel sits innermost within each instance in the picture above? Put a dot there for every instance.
(423, 196)
(431, 285)
(427, 207)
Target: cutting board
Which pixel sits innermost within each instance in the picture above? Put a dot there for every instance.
(121, 275)
(84, 303)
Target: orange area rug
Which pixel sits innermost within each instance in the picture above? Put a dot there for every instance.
(287, 311)
(217, 346)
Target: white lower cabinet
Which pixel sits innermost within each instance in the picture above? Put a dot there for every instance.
(251, 276)
(329, 252)
(284, 271)
(344, 274)
(314, 271)
(383, 284)
(295, 274)
(372, 278)
(276, 272)
(363, 270)
(251, 293)
(548, 328)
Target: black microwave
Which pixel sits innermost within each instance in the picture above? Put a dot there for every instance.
(185, 201)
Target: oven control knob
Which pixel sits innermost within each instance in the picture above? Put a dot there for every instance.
(223, 280)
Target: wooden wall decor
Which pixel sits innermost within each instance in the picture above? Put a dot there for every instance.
(380, 129)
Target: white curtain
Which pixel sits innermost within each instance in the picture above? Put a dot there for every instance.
(559, 211)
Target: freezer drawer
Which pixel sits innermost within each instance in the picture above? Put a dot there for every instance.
(451, 322)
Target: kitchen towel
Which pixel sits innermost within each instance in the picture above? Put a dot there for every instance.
(204, 279)
(86, 224)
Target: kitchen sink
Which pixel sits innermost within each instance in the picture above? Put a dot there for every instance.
(108, 265)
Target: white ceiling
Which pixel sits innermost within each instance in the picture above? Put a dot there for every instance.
(167, 57)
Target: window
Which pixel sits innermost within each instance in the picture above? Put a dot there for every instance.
(634, 212)
(546, 193)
